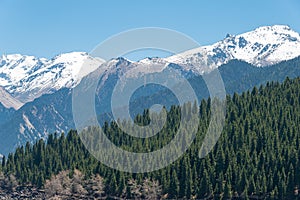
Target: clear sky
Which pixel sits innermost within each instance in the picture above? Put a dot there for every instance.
(47, 28)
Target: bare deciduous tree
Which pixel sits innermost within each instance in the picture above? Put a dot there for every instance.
(95, 187)
(59, 185)
(62, 187)
(77, 183)
(148, 190)
(135, 189)
(151, 189)
(11, 182)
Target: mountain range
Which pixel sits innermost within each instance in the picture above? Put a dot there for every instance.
(36, 93)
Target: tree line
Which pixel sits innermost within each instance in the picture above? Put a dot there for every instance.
(257, 155)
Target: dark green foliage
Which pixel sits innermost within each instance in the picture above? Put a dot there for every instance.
(257, 155)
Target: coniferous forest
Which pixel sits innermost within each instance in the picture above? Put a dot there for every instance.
(256, 157)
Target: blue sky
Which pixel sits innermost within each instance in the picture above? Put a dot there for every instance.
(48, 28)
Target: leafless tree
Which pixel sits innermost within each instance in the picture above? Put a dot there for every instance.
(95, 187)
(151, 189)
(58, 185)
(135, 189)
(11, 182)
(77, 183)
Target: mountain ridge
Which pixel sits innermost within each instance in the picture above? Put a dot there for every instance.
(53, 112)
(49, 108)
(266, 45)
(27, 77)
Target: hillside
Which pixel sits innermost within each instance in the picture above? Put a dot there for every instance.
(36, 93)
(256, 156)
(53, 112)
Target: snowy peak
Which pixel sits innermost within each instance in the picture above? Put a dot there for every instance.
(261, 47)
(25, 78)
(28, 77)
(15, 67)
(264, 46)
(267, 45)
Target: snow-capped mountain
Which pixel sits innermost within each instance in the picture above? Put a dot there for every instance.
(264, 46)
(27, 77)
(42, 86)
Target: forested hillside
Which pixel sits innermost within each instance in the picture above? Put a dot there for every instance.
(257, 156)
(53, 112)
